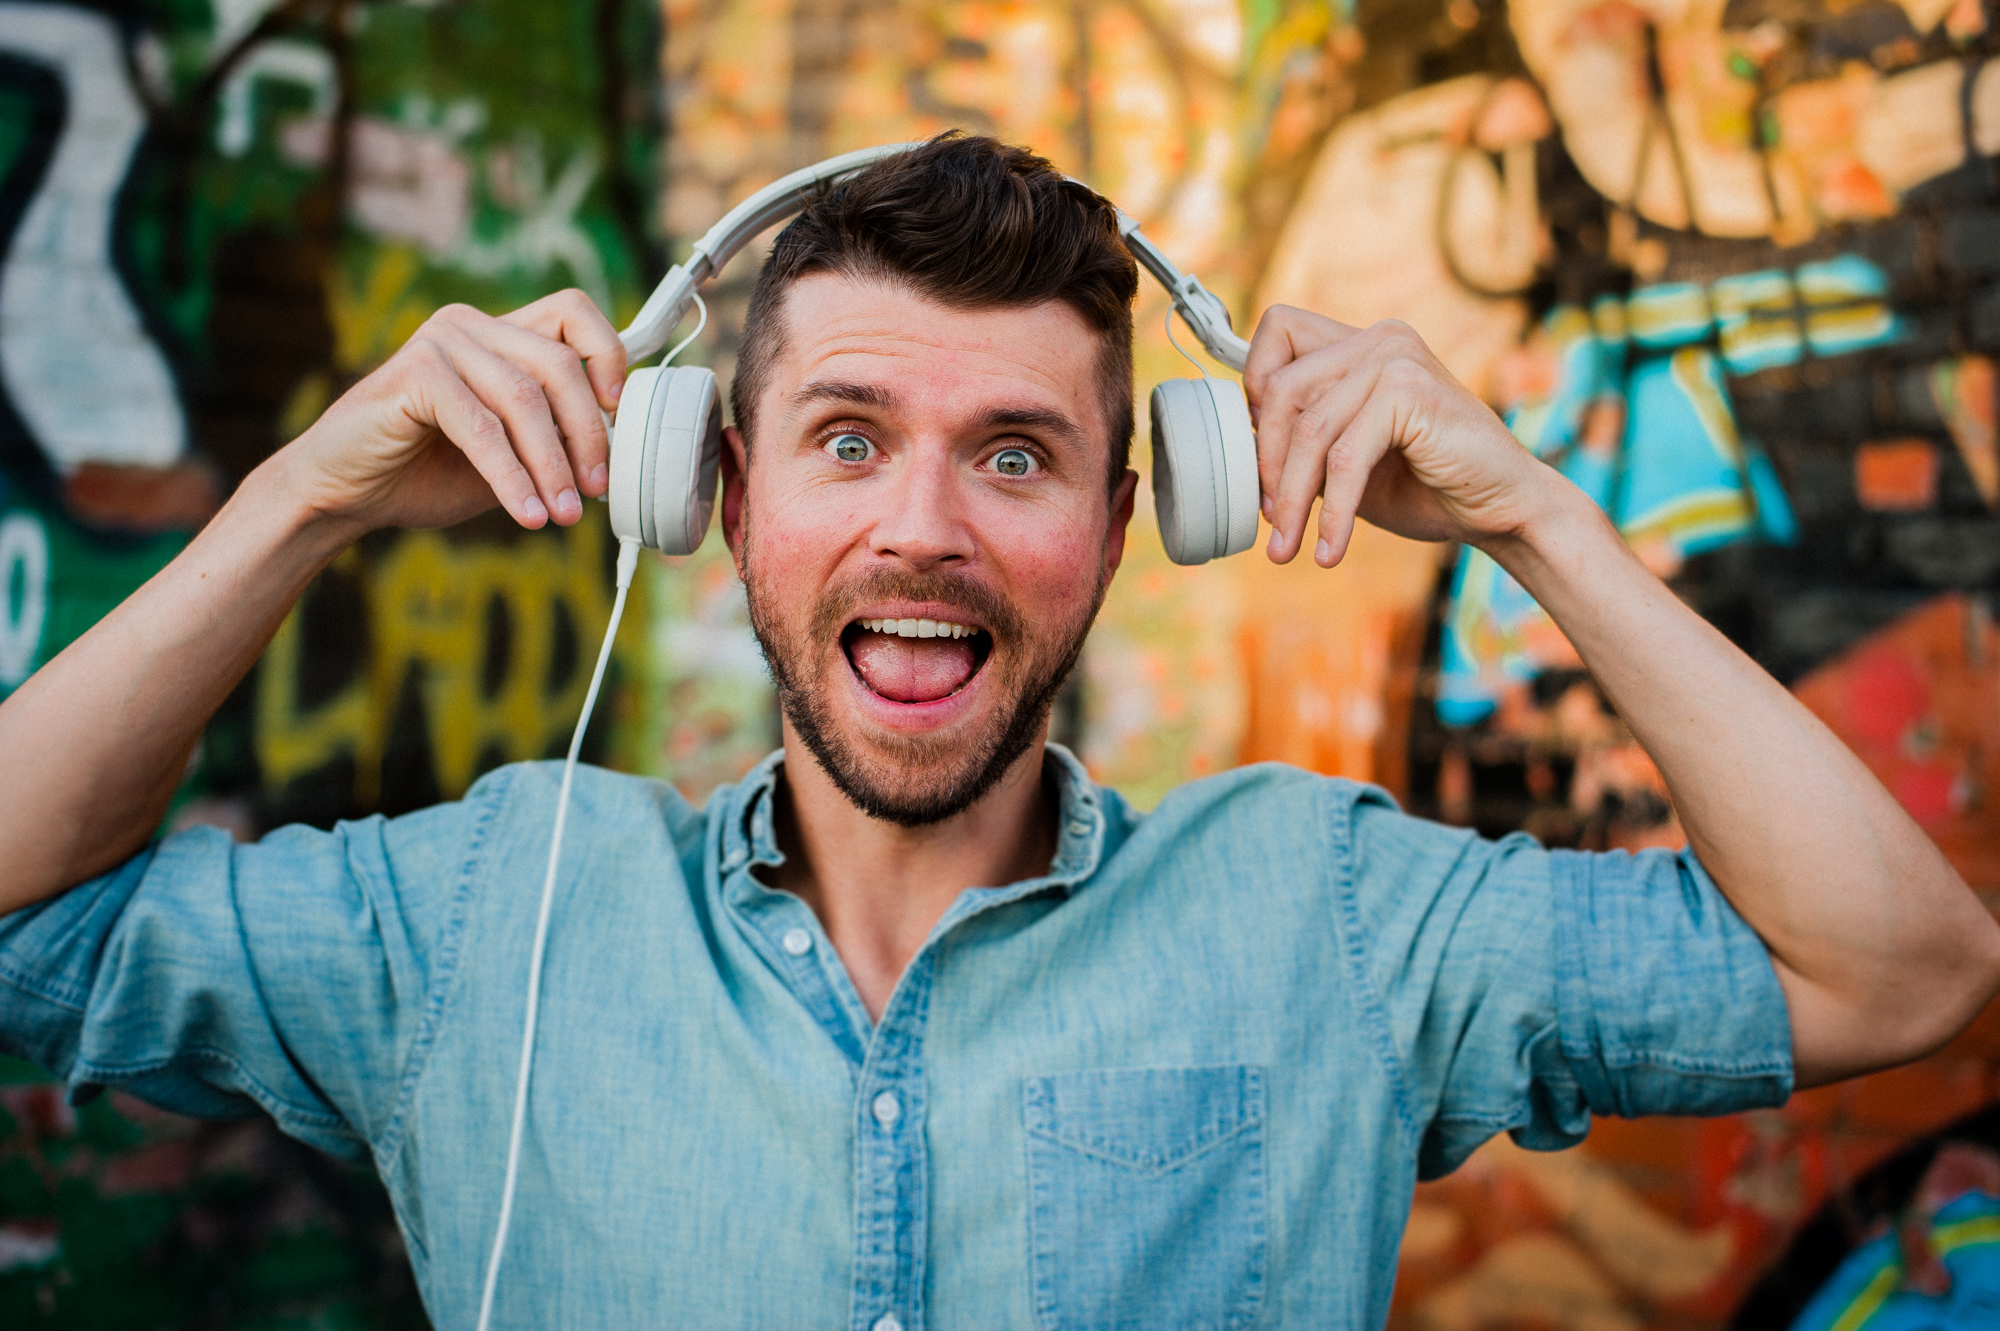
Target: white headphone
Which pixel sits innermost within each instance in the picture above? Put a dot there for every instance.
(667, 443)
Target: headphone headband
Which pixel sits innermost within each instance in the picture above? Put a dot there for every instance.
(1204, 315)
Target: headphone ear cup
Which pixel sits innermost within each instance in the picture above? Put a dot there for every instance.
(1239, 464)
(1204, 469)
(665, 451)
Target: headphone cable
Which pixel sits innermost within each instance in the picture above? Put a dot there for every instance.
(628, 562)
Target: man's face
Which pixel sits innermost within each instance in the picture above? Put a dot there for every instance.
(918, 464)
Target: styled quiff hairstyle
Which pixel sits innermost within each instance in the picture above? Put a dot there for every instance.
(972, 224)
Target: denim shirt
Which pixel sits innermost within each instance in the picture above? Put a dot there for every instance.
(1184, 1079)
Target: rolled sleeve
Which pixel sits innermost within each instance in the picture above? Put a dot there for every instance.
(1529, 989)
(1666, 1001)
(292, 976)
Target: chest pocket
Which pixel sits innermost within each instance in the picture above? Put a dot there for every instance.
(1146, 1202)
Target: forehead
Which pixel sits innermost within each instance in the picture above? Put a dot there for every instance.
(930, 359)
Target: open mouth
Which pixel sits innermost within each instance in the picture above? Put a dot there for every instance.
(915, 660)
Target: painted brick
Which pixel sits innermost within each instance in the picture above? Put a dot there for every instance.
(1930, 332)
(1982, 320)
(1916, 406)
(1944, 552)
(1969, 242)
(1811, 625)
(1900, 249)
(1896, 476)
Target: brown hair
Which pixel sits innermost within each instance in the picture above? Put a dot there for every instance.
(972, 224)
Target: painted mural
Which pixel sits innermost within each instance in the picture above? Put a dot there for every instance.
(1732, 265)
(214, 217)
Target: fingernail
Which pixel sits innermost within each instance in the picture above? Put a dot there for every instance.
(617, 388)
(1277, 541)
(1323, 552)
(598, 475)
(568, 504)
(535, 510)
(1264, 503)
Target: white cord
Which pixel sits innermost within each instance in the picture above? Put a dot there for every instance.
(681, 345)
(628, 562)
(1170, 337)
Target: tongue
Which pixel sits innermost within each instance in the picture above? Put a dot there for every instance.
(912, 669)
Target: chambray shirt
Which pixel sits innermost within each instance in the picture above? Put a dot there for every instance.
(1185, 1079)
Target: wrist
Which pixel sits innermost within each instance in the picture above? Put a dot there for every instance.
(272, 511)
(1561, 528)
(284, 494)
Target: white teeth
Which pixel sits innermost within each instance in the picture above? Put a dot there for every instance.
(918, 628)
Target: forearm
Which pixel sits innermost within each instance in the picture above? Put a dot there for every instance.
(1866, 921)
(105, 729)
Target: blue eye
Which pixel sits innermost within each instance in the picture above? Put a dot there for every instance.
(850, 448)
(1013, 462)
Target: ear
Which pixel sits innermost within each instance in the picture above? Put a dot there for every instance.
(1121, 518)
(735, 479)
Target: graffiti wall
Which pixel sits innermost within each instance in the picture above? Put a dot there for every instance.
(213, 219)
(1726, 266)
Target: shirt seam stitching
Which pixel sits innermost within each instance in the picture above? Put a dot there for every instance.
(1372, 1009)
(63, 996)
(270, 1101)
(445, 974)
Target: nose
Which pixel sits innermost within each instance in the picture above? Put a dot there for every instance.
(923, 521)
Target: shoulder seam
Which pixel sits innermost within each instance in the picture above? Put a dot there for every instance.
(1342, 798)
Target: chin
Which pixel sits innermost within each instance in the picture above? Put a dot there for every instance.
(914, 693)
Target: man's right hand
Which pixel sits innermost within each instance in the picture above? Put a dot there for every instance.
(473, 409)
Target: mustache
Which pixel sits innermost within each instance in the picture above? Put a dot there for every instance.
(838, 604)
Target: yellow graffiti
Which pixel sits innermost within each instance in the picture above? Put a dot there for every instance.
(429, 604)
(370, 323)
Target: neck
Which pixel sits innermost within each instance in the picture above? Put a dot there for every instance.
(878, 888)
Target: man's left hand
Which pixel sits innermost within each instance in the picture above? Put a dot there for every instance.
(1368, 421)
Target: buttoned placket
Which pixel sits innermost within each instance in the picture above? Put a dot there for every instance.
(891, 1167)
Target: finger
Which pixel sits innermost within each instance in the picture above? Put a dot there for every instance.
(572, 317)
(1283, 335)
(571, 398)
(1288, 389)
(516, 397)
(1313, 402)
(1350, 465)
(447, 404)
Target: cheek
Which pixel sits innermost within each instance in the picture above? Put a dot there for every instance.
(1051, 557)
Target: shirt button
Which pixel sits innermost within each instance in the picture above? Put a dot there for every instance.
(797, 942)
(887, 1322)
(887, 1110)
(1079, 829)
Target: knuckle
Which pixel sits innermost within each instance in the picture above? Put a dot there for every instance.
(488, 427)
(523, 392)
(1404, 373)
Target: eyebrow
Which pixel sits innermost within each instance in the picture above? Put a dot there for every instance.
(1055, 424)
(840, 390)
(1044, 420)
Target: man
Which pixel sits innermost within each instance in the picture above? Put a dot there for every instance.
(916, 1025)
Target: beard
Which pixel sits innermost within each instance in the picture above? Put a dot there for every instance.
(915, 780)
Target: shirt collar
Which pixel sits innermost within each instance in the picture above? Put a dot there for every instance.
(749, 834)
